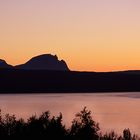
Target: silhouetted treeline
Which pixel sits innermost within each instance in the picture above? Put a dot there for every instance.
(51, 128)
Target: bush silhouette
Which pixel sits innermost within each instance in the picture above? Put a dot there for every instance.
(83, 127)
(111, 136)
(51, 128)
(45, 126)
(127, 134)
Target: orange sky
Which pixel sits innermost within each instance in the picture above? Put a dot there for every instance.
(90, 35)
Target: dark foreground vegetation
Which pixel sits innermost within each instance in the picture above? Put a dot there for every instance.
(43, 81)
(51, 128)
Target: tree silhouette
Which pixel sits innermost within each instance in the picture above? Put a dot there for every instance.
(127, 134)
(51, 128)
(111, 136)
(83, 127)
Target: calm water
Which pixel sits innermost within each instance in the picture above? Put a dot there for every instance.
(114, 111)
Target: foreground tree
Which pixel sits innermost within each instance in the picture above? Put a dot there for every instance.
(110, 136)
(51, 128)
(84, 127)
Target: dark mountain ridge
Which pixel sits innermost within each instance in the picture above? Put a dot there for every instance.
(3, 64)
(46, 74)
(44, 62)
(43, 81)
(41, 62)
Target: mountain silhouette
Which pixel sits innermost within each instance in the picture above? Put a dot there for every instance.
(4, 65)
(46, 74)
(44, 62)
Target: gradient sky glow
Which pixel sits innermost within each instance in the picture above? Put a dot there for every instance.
(90, 35)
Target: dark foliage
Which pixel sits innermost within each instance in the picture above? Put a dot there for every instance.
(51, 128)
(83, 127)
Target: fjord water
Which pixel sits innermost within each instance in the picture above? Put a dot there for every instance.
(113, 111)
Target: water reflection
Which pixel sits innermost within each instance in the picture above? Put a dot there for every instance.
(114, 111)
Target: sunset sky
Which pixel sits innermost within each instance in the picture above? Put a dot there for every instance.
(90, 35)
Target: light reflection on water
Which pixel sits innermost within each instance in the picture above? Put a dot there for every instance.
(113, 111)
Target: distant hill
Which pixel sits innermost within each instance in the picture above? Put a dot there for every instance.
(44, 81)
(4, 65)
(137, 72)
(41, 62)
(46, 74)
(44, 62)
